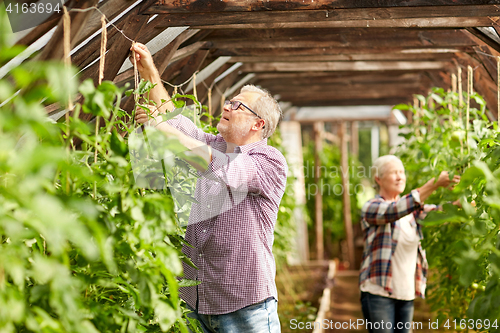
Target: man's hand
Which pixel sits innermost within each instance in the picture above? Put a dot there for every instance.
(145, 63)
(142, 116)
(148, 71)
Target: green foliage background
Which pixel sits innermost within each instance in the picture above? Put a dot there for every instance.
(462, 244)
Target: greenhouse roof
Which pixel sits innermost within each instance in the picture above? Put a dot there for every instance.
(307, 53)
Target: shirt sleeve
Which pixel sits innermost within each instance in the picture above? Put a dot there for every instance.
(378, 211)
(187, 127)
(260, 173)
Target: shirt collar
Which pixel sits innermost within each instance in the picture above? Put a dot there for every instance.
(378, 196)
(248, 147)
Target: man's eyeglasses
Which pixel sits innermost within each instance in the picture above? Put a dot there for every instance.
(236, 104)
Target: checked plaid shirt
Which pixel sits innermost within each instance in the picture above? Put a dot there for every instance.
(381, 230)
(231, 228)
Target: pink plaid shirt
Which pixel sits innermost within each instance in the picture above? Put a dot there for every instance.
(231, 228)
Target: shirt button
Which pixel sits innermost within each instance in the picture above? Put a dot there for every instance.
(201, 254)
(204, 230)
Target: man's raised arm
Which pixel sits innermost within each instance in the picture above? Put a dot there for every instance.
(148, 71)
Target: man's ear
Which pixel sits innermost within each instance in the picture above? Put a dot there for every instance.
(377, 180)
(259, 124)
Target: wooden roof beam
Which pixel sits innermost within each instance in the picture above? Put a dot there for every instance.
(54, 48)
(346, 57)
(353, 101)
(424, 22)
(211, 6)
(340, 38)
(406, 17)
(342, 66)
(337, 50)
(340, 88)
(374, 78)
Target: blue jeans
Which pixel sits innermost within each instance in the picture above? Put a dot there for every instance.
(386, 315)
(257, 318)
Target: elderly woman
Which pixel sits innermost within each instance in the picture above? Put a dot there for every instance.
(394, 267)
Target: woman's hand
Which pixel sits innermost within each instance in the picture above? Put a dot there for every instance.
(444, 180)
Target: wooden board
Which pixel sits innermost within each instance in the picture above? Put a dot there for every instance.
(210, 6)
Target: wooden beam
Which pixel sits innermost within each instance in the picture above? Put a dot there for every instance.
(340, 38)
(211, 6)
(349, 78)
(91, 51)
(424, 22)
(343, 76)
(346, 102)
(39, 31)
(194, 64)
(54, 48)
(189, 50)
(342, 66)
(202, 89)
(179, 54)
(346, 200)
(219, 89)
(110, 8)
(489, 63)
(407, 17)
(120, 49)
(483, 83)
(347, 57)
(334, 50)
(341, 88)
(161, 59)
(373, 93)
(485, 40)
(174, 69)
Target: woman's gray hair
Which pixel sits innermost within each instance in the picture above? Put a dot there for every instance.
(267, 108)
(379, 166)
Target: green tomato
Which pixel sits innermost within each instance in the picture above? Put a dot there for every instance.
(474, 285)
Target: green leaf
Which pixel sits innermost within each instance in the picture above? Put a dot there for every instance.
(188, 283)
(166, 315)
(450, 213)
(401, 107)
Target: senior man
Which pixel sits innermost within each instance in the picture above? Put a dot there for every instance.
(231, 227)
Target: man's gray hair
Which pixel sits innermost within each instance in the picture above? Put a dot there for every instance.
(266, 107)
(379, 167)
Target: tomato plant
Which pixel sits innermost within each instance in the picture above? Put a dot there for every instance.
(462, 243)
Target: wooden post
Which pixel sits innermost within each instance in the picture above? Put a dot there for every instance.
(470, 75)
(460, 97)
(498, 91)
(454, 90)
(318, 147)
(345, 193)
(355, 139)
